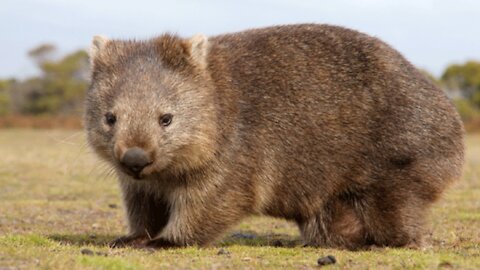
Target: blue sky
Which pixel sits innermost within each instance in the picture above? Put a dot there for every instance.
(430, 33)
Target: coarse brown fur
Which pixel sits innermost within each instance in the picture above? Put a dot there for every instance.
(318, 124)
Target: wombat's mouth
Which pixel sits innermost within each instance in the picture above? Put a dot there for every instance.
(136, 174)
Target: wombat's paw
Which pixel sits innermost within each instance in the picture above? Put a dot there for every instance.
(160, 243)
(373, 247)
(416, 244)
(128, 240)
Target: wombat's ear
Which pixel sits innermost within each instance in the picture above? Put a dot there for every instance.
(98, 43)
(199, 49)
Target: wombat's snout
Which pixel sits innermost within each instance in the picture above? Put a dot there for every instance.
(135, 159)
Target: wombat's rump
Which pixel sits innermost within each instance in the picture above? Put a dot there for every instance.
(318, 124)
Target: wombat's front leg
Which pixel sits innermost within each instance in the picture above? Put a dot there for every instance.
(199, 221)
(132, 240)
(147, 215)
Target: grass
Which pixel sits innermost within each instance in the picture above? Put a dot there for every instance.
(56, 200)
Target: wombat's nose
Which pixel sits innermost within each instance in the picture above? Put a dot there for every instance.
(135, 159)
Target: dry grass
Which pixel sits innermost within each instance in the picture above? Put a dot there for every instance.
(57, 199)
(40, 122)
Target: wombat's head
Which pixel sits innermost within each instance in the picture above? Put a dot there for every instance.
(150, 105)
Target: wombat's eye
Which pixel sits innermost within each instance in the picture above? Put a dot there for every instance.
(110, 119)
(166, 119)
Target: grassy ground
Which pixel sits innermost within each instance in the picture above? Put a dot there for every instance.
(57, 200)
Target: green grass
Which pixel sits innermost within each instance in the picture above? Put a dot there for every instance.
(57, 199)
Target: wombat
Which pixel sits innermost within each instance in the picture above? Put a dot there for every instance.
(317, 124)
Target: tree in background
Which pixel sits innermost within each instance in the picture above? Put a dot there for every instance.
(59, 89)
(64, 84)
(4, 96)
(465, 78)
(43, 53)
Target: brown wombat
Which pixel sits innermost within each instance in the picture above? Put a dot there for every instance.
(317, 124)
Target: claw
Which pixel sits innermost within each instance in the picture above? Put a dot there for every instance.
(160, 243)
(129, 240)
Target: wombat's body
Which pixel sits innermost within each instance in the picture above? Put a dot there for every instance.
(317, 124)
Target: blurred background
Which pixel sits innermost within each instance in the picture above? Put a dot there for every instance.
(44, 65)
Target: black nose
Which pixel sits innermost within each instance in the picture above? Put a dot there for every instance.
(135, 159)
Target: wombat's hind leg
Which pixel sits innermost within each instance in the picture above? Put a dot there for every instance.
(337, 225)
(396, 223)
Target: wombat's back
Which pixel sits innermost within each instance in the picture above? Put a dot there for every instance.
(328, 112)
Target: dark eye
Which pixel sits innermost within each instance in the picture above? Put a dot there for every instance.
(110, 119)
(166, 119)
